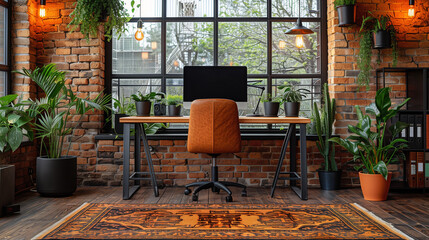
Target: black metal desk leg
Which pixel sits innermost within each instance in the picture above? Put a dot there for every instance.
(281, 158)
(293, 152)
(303, 150)
(126, 168)
(149, 162)
(137, 152)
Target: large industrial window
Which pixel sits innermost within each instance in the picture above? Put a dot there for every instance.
(4, 47)
(249, 33)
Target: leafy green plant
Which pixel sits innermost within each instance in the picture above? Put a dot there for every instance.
(293, 94)
(268, 98)
(176, 100)
(324, 121)
(89, 15)
(338, 3)
(15, 123)
(124, 106)
(371, 25)
(368, 146)
(139, 97)
(58, 106)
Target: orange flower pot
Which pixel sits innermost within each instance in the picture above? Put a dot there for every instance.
(374, 186)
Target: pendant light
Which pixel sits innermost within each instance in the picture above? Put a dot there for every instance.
(139, 33)
(411, 9)
(299, 30)
(42, 10)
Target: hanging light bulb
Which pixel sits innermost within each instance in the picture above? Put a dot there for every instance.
(299, 41)
(139, 33)
(282, 44)
(411, 10)
(154, 45)
(145, 55)
(299, 30)
(42, 10)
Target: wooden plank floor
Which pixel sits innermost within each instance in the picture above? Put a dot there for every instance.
(409, 212)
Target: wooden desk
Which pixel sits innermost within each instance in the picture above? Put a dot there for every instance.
(290, 136)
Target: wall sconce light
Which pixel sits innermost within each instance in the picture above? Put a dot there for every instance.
(282, 44)
(154, 45)
(411, 10)
(145, 55)
(299, 30)
(42, 10)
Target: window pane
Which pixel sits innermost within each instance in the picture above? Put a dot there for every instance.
(189, 8)
(291, 8)
(189, 44)
(243, 44)
(287, 58)
(126, 87)
(131, 56)
(3, 79)
(255, 87)
(3, 35)
(248, 8)
(150, 8)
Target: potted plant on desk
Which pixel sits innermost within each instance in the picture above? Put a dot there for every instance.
(371, 148)
(143, 102)
(56, 172)
(174, 103)
(329, 175)
(122, 108)
(271, 105)
(292, 97)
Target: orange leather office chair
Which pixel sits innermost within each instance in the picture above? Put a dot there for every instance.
(214, 129)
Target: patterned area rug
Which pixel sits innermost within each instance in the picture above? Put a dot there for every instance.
(126, 221)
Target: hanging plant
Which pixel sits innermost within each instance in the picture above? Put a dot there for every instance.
(90, 14)
(375, 33)
(346, 12)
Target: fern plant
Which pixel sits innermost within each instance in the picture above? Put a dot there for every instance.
(371, 25)
(89, 15)
(293, 94)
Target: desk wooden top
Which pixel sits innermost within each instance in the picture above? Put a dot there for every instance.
(185, 119)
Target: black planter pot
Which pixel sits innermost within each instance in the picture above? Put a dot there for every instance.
(174, 111)
(56, 177)
(292, 109)
(143, 108)
(119, 127)
(271, 109)
(329, 180)
(382, 39)
(346, 15)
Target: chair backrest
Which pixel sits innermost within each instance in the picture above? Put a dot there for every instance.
(214, 127)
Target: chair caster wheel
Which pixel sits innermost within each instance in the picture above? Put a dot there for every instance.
(244, 193)
(187, 191)
(228, 198)
(194, 198)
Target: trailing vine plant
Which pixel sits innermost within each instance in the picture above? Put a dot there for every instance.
(90, 14)
(371, 25)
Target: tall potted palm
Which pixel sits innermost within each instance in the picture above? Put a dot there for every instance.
(324, 118)
(371, 148)
(56, 172)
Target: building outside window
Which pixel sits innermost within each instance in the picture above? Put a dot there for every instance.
(250, 33)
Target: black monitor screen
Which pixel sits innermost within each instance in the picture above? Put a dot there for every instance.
(215, 82)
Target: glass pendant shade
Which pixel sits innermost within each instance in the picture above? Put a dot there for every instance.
(139, 33)
(42, 10)
(411, 11)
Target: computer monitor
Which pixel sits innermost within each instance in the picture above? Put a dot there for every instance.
(215, 82)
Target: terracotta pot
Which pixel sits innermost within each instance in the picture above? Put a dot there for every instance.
(374, 186)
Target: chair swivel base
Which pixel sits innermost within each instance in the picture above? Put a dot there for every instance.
(216, 186)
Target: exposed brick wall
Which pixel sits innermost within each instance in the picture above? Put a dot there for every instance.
(413, 45)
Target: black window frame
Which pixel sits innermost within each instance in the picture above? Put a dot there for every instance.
(269, 19)
(8, 47)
